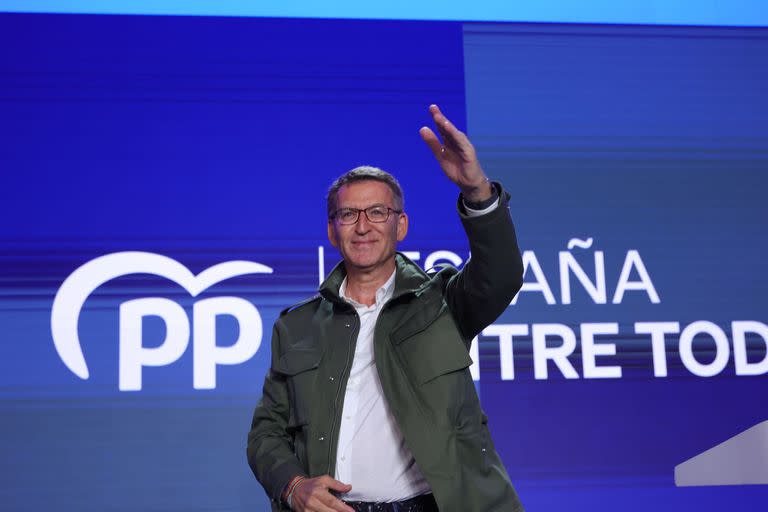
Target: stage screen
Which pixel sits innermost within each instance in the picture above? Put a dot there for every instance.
(156, 165)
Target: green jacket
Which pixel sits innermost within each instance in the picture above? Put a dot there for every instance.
(421, 343)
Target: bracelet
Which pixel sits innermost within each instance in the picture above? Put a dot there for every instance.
(291, 488)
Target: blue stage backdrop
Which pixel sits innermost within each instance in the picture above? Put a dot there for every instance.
(163, 183)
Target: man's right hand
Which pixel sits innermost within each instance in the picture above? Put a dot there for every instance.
(312, 495)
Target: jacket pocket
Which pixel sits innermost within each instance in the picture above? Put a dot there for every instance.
(431, 346)
(298, 360)
(299, 365)
(420, 319)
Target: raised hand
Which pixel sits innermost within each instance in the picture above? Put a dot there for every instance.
(312, 495)
(456, 157)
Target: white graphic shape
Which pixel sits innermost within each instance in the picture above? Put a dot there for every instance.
(206, 354)
(578, 242)
(540, 284)
(633, 259)
(76, 289)
(740, 330)
(658, 330)
(688, 357)
(558, 355)
(133, 356)
(436, 256)
(505, 333)
(590, 349)
(740, 460)
(474, 354)
(569, 264)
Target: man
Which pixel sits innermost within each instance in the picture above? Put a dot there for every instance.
(369, 403)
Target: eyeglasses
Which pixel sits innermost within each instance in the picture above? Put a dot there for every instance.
(377, 213)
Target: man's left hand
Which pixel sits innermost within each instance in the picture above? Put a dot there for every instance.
(457, 157)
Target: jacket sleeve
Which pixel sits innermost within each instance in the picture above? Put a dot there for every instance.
(483, 289)
(270, 446)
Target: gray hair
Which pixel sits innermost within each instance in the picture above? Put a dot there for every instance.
(364, 173)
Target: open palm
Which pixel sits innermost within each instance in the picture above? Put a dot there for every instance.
(456, 157)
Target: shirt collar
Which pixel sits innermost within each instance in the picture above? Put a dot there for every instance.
(383, 294)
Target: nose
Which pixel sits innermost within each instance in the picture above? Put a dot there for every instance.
(363, 225)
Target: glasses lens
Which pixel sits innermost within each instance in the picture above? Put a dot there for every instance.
(377, 213)
(347, 216)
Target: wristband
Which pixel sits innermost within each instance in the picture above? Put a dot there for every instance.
(290, 488)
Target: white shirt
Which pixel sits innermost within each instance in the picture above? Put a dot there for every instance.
(372, 456)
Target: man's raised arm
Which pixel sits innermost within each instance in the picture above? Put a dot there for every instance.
(493, 275)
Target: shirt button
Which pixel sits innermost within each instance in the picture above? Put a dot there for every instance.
(321, 438)
(343, 457)
(346, 325)
(330, 378)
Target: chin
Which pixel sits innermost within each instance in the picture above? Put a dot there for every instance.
(360, 259)
(362, 263)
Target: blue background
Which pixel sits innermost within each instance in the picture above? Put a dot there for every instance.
(213, 139)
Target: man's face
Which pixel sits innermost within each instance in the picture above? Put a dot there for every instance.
(366, 245)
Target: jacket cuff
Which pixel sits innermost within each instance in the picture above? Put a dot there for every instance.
(481, 205)
(499, 194)
(282, 476)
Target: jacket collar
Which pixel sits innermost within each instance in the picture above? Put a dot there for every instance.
(409, 278)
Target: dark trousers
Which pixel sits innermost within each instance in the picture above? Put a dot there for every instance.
(423, 503)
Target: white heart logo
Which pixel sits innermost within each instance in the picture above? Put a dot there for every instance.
(84, 280)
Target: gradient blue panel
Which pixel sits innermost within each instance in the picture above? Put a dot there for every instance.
(641, 138)
(205, 140)
(210, 140)
(680, 12)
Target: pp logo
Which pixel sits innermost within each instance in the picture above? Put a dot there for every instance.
(82, 282)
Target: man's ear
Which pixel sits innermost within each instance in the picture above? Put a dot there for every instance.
(402, 226)
(332, 233)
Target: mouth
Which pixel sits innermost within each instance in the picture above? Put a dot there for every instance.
(363, 243)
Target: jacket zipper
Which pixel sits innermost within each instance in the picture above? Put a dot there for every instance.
(337, 413)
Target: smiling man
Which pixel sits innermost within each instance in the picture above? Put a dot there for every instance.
(369, 403)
